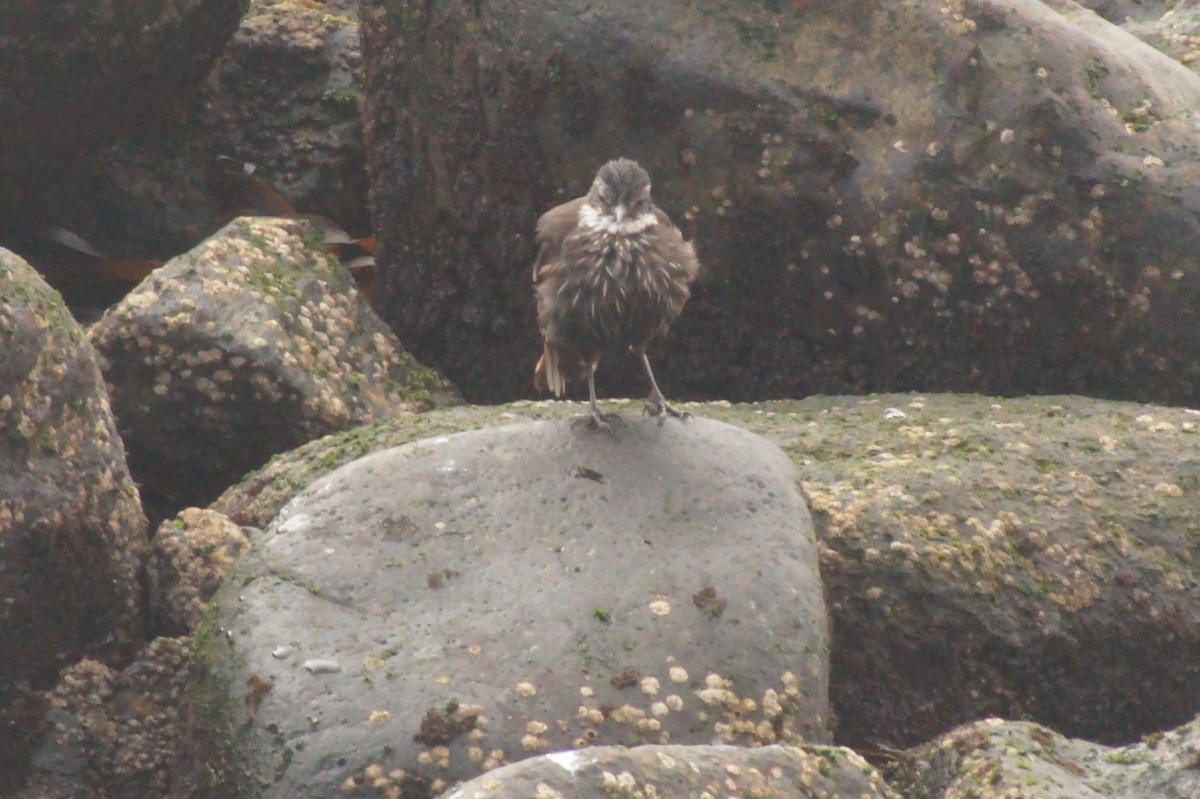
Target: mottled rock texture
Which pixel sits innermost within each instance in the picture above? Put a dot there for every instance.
(1121, 12)
(189, 557)
(985, 196)
(465, 601)
(286, 97)
(1176, 33)
(252, 343)
(1031, 559)
(115, 732)
(674, 772)
(72, 532)
(995, 759)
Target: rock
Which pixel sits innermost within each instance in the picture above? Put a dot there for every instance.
(282, 96)
(976, 552)
(986, 196)
(1175, 33)
(120, 733)
(70, 69)
(286, 97)
(1119, 12)
(646, 771)
(78, 76)
(114, 732)
(72, 533)
(979, 553)
(261, 494)
(1009, 758)
(189, 557)
(465, 601)
(252, 343)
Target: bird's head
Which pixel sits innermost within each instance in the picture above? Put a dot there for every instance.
(619, 200)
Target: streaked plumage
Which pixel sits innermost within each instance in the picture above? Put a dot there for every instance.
(612, 273)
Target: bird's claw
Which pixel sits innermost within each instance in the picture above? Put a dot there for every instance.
(597, 421)
(658, 407)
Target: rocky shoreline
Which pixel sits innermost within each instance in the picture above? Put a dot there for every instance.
(254, 543)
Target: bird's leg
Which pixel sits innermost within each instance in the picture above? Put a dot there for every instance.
(597, 419)
(656, 404)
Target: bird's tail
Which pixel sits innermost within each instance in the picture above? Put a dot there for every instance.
(548, 374)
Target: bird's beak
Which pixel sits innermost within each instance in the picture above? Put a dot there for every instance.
(619, 213)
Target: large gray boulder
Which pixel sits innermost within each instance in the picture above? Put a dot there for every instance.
(461, 602)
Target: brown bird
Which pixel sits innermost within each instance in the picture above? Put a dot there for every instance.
(612, 273)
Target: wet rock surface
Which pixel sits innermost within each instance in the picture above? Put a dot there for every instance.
(72, 533)
(254, 342)
(445, 607)
(1075, 609)
(1027, 558)
(979, 195)
(678, 771)
(1121, 12)
(1175, 33)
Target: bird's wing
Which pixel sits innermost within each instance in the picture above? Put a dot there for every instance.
(554, 226)
(685, 253)
(552, 229)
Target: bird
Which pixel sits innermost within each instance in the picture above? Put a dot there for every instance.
(612, 273)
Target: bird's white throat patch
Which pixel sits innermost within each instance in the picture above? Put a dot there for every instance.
(591, 217)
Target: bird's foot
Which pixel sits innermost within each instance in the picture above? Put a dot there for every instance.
(657, 406)
(598, 421)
